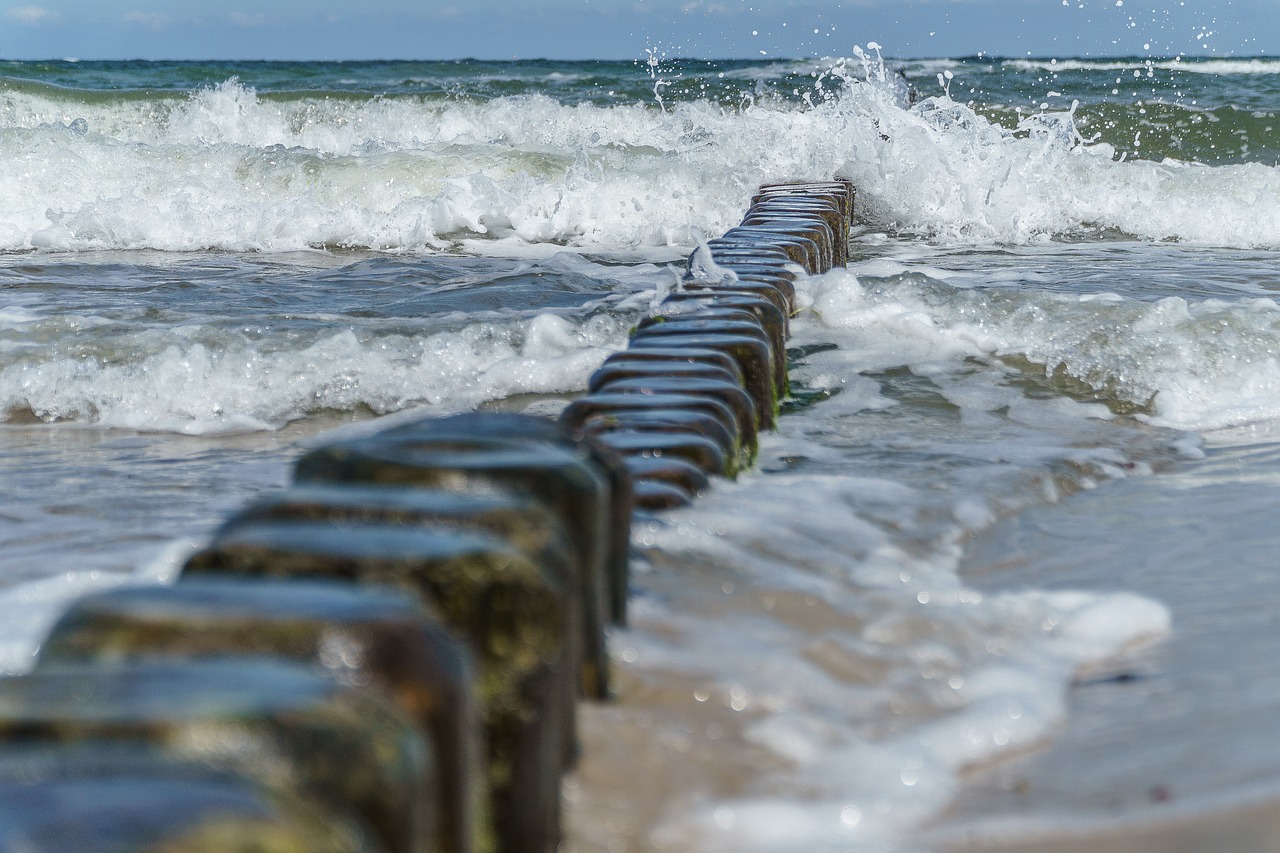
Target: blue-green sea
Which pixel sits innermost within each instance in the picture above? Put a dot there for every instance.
(1003, 578)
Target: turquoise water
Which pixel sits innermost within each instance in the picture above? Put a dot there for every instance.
(1062, 291)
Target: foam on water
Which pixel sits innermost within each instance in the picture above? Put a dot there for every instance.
(1258, 67)
(843, 642)
(197, 379)
(816, 600)
(223, 343)
(1194, 364)
(228, 169)
(225, 167)
(32, 607)
(941, 170)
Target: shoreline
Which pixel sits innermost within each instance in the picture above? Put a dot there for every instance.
(1164, 746)
(1201, 827)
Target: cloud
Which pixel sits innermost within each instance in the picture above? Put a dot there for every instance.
(244, 19)
(30, 14)
(708, 9)
(151, 20)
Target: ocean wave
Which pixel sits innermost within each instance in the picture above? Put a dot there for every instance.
(1189, 65)
(211, 379)
(226, 167)
(943, 171)
(1180, 362)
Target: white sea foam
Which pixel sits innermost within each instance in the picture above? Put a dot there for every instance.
(227, 168)
(1252, 67)
(1196, 364)
(31, 608)
(869, 671)
(16, 317)
(196, 380)
(819, 604)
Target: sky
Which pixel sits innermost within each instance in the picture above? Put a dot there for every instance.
(627, 29)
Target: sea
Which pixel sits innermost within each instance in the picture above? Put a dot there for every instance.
(1003, 578)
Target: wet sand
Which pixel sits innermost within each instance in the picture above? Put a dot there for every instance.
(1225, 829)
(666, 744)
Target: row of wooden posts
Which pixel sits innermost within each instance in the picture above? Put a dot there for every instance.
(386, 657)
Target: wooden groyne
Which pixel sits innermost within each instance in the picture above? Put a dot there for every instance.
(387, 656)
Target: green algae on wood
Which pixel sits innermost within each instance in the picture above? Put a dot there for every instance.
(509, 609)
(282, 724)
(521, 521)
(605, 405)
(752, 351)
(369, 636)
(114, 798)
(516, 427)
(574, 491)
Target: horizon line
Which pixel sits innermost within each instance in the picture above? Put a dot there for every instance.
(984, 56)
